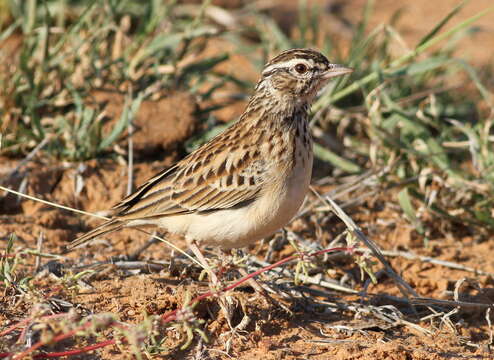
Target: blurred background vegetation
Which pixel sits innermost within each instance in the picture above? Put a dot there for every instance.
(414, 120)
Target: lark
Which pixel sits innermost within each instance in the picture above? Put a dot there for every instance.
(247, 182)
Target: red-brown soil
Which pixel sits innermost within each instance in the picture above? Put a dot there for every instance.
(312, 330)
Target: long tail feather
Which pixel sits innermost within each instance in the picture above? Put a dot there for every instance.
(105, 228)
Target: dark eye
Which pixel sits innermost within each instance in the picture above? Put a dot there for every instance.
(300, 68)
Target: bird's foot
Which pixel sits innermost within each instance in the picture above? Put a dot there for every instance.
(237, 331)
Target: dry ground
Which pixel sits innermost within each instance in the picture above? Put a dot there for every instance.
(324, 323)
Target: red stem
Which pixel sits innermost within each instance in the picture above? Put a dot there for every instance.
(23, 322)
(55, 340)
(75, 351)
(13, 327)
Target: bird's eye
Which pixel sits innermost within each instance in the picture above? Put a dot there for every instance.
(300, 68)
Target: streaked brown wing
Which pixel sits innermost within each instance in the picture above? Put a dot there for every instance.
(199, 183)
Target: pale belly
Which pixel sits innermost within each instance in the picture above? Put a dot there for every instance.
(235, 228)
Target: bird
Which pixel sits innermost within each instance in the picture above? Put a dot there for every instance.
(247, 182)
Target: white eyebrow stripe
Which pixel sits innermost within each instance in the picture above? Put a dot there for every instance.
(288, 64)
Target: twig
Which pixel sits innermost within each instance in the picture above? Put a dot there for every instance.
(402, 285)
(489, 324)
(356, 183)
(310, 280)
(39, 245)
(463, 304)
(449, 264)
(28, 158)
(51, 203)
(130, 161)
(139, 265)
(27, 320)
(333, 341)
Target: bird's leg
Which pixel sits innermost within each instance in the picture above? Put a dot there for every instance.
(212, 276)
(226, 302)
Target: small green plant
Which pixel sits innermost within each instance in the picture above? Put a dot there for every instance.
(8, 264)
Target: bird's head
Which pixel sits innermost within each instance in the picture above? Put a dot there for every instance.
(298, 74)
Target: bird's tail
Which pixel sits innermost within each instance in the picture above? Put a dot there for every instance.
(105, 228)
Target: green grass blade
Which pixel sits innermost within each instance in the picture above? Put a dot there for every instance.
(441, 24)
(405, 202)
(75, 27)
(434, 40)
(328, 156)
(127, 114)
(472, 73)
(10, 30)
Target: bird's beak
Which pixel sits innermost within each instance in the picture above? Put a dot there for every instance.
(337, 70)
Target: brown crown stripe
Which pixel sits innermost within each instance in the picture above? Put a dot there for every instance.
(306, 54)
